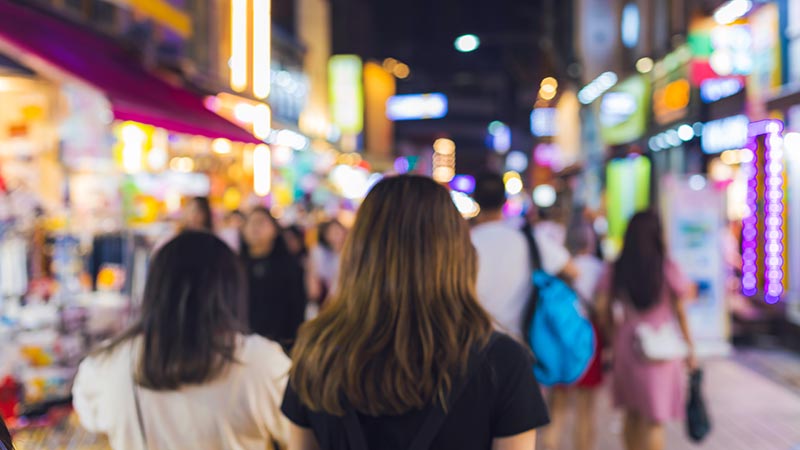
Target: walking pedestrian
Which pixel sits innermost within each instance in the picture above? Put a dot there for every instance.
(277, 285)
(651, 338)
(326, 255)
(186, 374)
(582, 244)
(404, 353)
(197, 215)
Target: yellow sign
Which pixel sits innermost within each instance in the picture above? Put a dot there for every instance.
(164, 13)
(345, 76)
(671, 101)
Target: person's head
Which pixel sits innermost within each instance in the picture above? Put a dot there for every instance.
(197, 215)
(639, 271)
(261, 229)
(332, 235)
(581, 238)
(490, 192)
(5, 437)
(295, 240)
(193, 308)
(401, 325)
(235, 219)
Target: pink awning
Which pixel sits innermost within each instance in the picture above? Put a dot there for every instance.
(135, 93)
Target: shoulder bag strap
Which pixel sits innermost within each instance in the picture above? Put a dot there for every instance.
(139, 417)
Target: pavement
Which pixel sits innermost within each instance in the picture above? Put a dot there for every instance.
(752, 407)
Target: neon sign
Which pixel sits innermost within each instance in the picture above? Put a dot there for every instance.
(416, 106)
(725, 134)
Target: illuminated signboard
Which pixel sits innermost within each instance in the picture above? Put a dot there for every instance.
(416, 106)
(671, 101)
(616, 108)
(543, 122)
(346, 93)
(630, 28)
(725, 134)
(715, 89)
(626, 107)
(463, 183)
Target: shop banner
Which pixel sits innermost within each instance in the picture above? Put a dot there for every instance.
(624, 111)
(627, 192)
(693, 221)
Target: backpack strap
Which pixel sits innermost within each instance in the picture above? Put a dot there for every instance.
(533, 247)
(536, 264)
(435, 418)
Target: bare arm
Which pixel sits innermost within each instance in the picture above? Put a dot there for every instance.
(570, 271)
(605, 314)
(683, 322)
(302, 438)
(524, 441)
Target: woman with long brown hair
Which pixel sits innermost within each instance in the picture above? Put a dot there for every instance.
(404, 354)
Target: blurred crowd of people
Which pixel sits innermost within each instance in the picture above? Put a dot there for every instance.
(643, 289)
(417, 338)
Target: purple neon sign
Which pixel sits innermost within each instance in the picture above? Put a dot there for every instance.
(773, 212)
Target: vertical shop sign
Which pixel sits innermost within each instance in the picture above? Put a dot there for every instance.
(345, 75)
(767, 67)
(628, 192)
(379, 88)
(694, 226)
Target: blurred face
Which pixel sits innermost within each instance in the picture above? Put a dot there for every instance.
(336, 235)
(236, 221)
(193, 217)
(294, 243)
(259, 231)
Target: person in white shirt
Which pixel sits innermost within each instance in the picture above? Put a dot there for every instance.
(187, 375)
(504, 261)
(583, 244)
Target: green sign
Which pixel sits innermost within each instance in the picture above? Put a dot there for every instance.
(627, 192)
(624, 111)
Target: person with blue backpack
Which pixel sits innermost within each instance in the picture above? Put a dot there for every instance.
(565, 343)
(518, 285)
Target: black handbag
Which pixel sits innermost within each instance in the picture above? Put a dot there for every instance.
(698, 422)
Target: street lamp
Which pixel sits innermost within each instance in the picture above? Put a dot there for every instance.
(467, 43)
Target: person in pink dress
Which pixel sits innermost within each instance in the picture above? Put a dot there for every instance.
(645, 288)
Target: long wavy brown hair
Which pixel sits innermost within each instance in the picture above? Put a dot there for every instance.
(400, 329)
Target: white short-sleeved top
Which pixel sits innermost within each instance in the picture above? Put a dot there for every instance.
(240, 410)
(504, 271)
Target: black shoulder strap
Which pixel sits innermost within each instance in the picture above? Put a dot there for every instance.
(536, 264)
(434, 420)
(533, 247)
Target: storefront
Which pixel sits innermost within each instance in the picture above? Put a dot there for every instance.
(91, 145)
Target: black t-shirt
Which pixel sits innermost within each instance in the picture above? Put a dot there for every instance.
(502, 399)
(277, 296)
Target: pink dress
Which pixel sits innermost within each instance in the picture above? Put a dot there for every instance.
(655, 390)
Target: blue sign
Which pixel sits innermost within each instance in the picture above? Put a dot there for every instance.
(416, 106)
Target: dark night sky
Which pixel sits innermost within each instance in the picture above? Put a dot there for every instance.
(421, 32)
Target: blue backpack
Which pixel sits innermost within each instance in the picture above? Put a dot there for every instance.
(559, 333)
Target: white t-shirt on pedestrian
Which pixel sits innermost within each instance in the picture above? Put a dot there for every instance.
(590, 270)
(240, 410)
(504, 271)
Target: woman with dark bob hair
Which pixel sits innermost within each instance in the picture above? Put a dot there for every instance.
(404, 353)
(187, 374)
